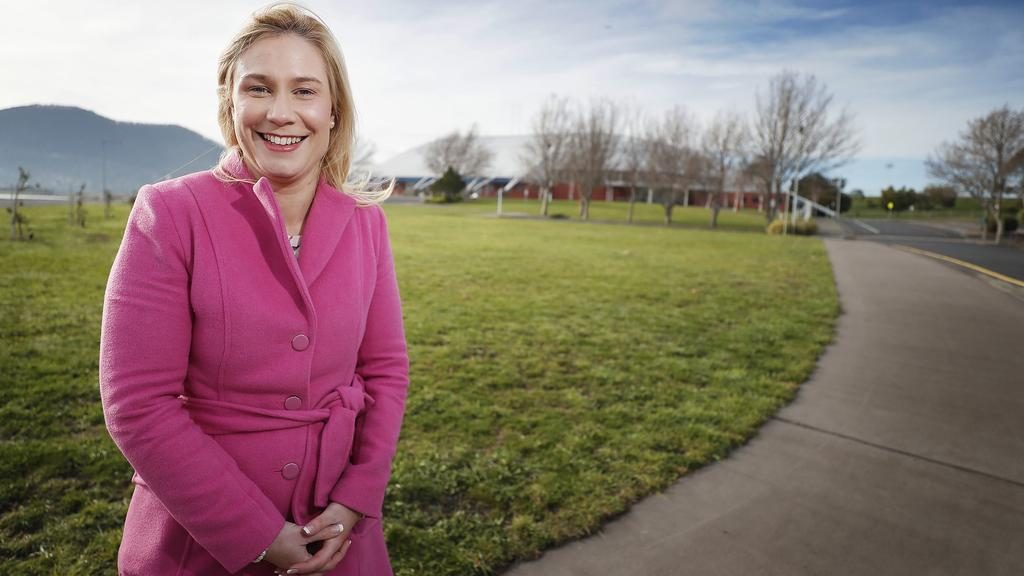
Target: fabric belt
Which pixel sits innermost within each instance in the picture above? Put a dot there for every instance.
(337, 412)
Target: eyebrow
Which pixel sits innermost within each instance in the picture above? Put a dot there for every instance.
(265, 78)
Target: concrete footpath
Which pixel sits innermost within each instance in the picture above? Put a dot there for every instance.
(903, 454)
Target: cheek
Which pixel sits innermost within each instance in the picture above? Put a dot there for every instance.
(243, 116)
(320, 116)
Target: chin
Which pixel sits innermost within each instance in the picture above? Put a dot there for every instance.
(281, 173)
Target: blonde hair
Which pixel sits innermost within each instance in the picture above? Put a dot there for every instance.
(289, 18)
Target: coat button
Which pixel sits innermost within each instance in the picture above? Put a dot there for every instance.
(293, 403)
(300, 342)
(290, 471)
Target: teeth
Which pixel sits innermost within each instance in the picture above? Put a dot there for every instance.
(281, 140)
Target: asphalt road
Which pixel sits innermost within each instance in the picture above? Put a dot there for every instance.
(941, 238)
(900, 456)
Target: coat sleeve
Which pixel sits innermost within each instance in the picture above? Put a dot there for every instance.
(383, 364)
(144, 356)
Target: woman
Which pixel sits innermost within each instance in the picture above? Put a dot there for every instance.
(253, 365)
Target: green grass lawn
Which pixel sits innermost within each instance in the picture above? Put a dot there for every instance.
(560, 371)
(617, 212)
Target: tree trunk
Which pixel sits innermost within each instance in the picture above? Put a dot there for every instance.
(984, 221)
(999, 224)
(668, 212)
(585, 205)
(714, 215)
(545, 194)
(632, 201)
(774, 192)
(14, 216)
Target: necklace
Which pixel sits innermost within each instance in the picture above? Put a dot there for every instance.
(296, 241)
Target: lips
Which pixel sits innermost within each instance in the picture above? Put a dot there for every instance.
(282, 140)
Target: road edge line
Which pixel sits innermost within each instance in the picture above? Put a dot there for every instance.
(865, 226)
(968, 265)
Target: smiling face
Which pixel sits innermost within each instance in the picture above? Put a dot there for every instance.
(282, 110)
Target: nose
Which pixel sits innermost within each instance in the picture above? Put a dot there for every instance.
(281, 111)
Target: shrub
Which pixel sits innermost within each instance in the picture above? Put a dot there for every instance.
(922, 201)
(448, 187)
(1010, 223)
(436, 198)
(940, 196)
(808, 228)
(902, 198)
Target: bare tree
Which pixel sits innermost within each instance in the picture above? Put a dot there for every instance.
(546, 153)
(725, 147)
(795, 131)
(984, 161)
(593, 147)
(462, 152)
(1017, 167)
(757, 172)
(17, 220)
(673, 163)
(633, 153)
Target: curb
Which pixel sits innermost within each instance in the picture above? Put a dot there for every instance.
(961, 263)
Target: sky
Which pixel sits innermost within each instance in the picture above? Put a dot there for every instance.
(912, 73)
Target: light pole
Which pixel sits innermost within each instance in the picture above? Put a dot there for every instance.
(788, 212)
(796, 186)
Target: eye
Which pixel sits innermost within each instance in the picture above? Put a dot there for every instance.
(258, 90)
(305, 92)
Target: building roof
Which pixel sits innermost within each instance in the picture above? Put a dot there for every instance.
(507, 163)
(506, 160)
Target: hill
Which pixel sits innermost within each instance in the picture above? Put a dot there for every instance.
(63, 147)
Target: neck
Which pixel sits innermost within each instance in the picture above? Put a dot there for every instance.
(293, 197)
(294, 208)
(294, 200)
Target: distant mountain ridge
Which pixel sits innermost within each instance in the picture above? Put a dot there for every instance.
(63, 147)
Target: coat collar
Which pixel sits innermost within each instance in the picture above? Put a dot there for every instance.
(329, 215)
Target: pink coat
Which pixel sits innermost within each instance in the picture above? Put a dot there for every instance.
(244, 386)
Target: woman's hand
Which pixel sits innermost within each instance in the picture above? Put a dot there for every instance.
(288, 548)
(332, 527)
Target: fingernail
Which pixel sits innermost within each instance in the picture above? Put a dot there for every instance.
(307, 531)
(292, 571)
